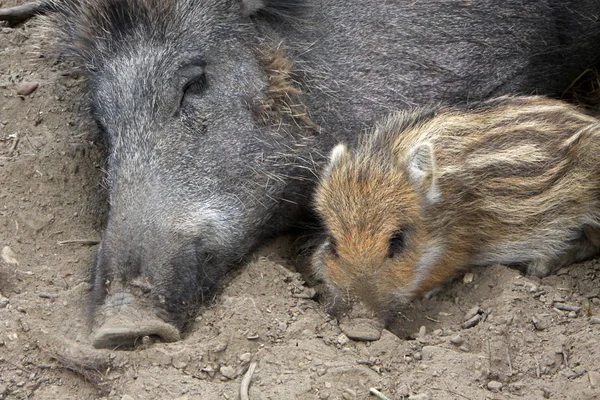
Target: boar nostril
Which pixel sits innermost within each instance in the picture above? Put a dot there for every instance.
(126, 332)
(127, 321)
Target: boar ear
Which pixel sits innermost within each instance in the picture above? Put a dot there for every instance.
(338, 155)
(274, 8)
(422, 172)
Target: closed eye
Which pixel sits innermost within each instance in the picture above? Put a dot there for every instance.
(192, 81)
(195, 85)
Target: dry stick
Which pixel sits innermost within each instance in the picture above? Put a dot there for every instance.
(85, 242)
(510, 368)
(378, 394)
(13, 146)
(246, 381)
(455, 392)
(23, 12)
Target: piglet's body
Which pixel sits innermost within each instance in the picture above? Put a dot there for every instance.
(510, 181)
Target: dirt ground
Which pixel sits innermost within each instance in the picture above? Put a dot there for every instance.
(532, 338)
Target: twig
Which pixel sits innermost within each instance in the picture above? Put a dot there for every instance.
(378, 394)
(432, 319)
(537, 367)
(246, 381)
(85, 242)
(15, 366)
(13, 146)
(455, 392)
(510, 368)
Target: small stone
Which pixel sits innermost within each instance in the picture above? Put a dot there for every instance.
(26, 88)
(342, 339)
(468, 278)
(593, 320)
(4, 301)
(494, 386)
(541, 321)
(228, 372)
(429, 352)
(421, 396)
(594, 377)
(324, 396)
(422, 331)
(361, 329)
(179, 364)
(457, 340)
(567, 307)
(472, 312)
(403, 391)
(9, 256)
(572, 314)
(471, 322)
(245, 358)
(321, 371)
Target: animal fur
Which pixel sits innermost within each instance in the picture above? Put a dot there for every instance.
(511, 181)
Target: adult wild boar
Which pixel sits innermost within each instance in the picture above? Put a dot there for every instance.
(217, 113)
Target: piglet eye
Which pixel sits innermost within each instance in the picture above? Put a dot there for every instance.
(332, 246)
(397, 243)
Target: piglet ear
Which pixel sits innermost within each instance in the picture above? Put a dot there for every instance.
(339, 155)
(420, 164)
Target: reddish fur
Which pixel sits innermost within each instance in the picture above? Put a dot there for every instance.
(513, 180)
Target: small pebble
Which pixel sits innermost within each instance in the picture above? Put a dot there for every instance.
(228, 372)
(594, 377)
(26, 88)
(541, 321)
(422, 331)
(429, 352)
(468, 278)
(572, 314)
(471, 322)
(595, 320)
(403, 391)
(342, 339)
(472, 312)
(421, 396)
(361, 329)
(4, 301)
(494, 386)
(567, 307)
(457, 340)
(245, 358)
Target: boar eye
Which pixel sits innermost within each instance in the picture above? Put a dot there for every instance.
(195, 84)
(397, 243)
(192, 80)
